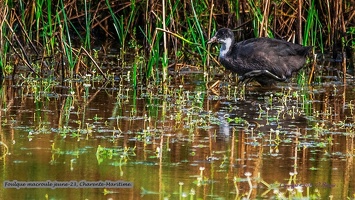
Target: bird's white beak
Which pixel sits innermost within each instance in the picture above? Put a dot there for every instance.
(212, 40)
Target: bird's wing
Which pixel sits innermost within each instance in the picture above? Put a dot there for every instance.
(267, 47)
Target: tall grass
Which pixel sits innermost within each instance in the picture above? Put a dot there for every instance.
(260, 18)
(51, 27)
(313, 28)
(87, 42)
(165, 50)
(121, 23)
(3, 43)
(65, 37)
(197, 32)
(48, 29)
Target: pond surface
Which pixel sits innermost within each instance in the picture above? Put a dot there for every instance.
(180, 141)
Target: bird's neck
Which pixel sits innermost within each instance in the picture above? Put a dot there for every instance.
(225, 48)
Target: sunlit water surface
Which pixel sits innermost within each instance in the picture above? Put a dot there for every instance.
(181, 142)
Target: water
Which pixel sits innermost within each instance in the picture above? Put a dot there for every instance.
(181, 143)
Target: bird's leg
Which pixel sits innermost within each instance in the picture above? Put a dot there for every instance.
(244, 80)
(252, 74)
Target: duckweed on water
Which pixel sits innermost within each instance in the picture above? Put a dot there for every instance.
(221, 137)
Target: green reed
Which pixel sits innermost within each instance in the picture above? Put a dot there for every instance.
(198, 36)
(49, 28)
(53, 25)
(312, 36)
(122, 28)
(165, 48)
(312, 27)
(65, 37)
(134, 73)
(87, 8)
(154, 55)
(4, 47)
(3, 56)
(154, 40)
(257, 17)
(64, 117)
(118, 24)
(260, 20)
(351, 41)
(38, 15)
(1, 70)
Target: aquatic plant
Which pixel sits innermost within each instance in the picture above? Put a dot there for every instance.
(312, 28)
(187, 118)
(65, 38)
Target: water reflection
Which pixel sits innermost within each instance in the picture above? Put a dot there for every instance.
(184, 142)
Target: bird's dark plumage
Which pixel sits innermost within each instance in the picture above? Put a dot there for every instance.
(265, 60)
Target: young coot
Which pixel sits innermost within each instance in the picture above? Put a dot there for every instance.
(264, 60)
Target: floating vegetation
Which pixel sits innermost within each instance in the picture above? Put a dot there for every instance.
(217, 139)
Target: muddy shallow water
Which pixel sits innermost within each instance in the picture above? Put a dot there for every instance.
(181, 142)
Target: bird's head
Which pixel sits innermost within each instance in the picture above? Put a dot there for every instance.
(223, 36)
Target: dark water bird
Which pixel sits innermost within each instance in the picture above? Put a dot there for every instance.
(264, 60)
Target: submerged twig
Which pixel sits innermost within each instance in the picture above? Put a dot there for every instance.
(96, 65)
(24, 55)
(26, 34)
